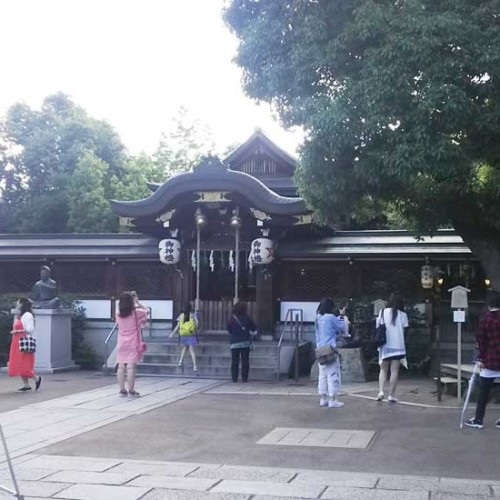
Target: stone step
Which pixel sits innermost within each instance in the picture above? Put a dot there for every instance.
(203, 371)
(209, 348)
(208, 359)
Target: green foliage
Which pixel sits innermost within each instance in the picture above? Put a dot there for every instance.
(82, 354)
(89, 211)
(6, 320)
(44, 151)
(184, 145)
(400, 102)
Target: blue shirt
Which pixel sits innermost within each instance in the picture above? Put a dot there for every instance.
(328, 326)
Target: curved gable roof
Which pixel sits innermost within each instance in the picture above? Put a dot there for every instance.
(211, 175)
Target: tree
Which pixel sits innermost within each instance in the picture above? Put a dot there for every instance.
(89, 211)
(42, 151)
(400, 101)
(181, 148)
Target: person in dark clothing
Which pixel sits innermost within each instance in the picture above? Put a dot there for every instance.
(240, 328)
(488, 340)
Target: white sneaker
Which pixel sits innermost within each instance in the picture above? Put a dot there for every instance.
(380, 396)
(392, 399)
(323, 402)
(335, 404)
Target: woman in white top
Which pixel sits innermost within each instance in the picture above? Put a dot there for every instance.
(21, 364)
(394, 350)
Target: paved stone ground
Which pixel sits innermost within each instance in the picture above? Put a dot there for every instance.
(195, 438)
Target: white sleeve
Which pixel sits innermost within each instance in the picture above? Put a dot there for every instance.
(28, 322)
(379, 317)
(404, 320)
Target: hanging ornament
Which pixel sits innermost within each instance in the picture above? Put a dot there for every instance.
(427, 276)
(250, 262)
(211, 262)
(262, 251)
(170, 251)
(231, 261)
(193, 260)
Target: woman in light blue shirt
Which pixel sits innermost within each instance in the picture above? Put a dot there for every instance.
(328, 328)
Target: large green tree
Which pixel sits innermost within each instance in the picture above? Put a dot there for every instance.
(42, 151)
(183, 145)
(400, 100)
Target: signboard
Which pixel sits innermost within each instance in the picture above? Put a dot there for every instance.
(459, 316)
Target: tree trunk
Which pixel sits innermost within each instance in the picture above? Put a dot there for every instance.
(486, 248)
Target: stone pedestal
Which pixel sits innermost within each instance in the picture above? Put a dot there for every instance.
(352, 368)
(53, 340)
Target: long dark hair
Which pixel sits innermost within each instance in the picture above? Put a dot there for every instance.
(126, 305)
(25, 306)
(326, 306)
(186, 310)
(240, 309)
(396, 304)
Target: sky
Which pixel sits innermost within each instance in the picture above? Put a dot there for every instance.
(133, 63)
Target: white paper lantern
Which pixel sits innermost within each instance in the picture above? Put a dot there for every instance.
(262, 251)
(170, 251)
(427, 276)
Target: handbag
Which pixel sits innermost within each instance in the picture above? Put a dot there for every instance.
(379, 336)
(143, 347)
(27, 344)
(326, 354)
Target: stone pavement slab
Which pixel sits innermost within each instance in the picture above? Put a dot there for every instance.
(286, 436)
(265, 483)
(37, 425)
(95, 492)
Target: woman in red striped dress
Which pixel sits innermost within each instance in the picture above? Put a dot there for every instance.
(21, 364)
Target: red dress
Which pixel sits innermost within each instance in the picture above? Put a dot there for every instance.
(21, 364)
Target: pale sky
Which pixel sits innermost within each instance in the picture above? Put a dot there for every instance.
(132, 63)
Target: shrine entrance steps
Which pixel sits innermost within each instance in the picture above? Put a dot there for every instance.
(213, 359)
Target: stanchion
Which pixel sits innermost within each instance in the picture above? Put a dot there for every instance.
(16, 491)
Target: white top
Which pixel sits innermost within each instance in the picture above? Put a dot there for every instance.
(487, 373)
(28, 321)
(395, 345)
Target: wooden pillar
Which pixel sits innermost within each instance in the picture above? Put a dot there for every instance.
(111, 279)
(264, 298)
(181, 284)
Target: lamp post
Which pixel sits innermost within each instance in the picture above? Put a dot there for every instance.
(200, 220)
(235, 223)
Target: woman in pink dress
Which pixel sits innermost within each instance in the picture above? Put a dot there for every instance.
(21, 364)
(131, 317)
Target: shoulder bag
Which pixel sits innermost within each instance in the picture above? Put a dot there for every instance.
(379, 336)
(27, 344)
(143, 347)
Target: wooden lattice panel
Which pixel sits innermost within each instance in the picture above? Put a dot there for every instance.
(81, 278)
(148, 279)
(310, 283)
(19, 278)
(383, 279)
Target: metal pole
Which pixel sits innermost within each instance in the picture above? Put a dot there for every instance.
(198, 249)
(459, 362)
(237, 264)
(438, 360)
(296, 348)
(16, 491)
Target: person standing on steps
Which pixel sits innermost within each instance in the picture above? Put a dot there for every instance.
(488, 340)
(393, 352)
(328, 329)
(131, 318)
(240, 328)
(187, 326)
(21, 364)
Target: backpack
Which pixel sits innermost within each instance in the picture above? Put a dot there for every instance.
(187, 328)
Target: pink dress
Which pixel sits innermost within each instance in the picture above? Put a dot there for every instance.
(20, 363)
(128, 337)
